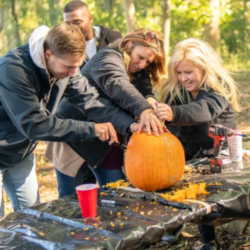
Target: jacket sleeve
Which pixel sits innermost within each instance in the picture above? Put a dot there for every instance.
(86, 98)
(109, 73)
(111, 35)
(19, 91)
(206, 109)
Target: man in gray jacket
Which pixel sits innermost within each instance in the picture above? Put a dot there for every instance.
(28, 74)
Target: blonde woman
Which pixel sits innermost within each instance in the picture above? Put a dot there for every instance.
(199, 92)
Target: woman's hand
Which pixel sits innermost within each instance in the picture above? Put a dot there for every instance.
(106, 132)
(164, 112)
(134, 127)
(152, 102)
(148, 121)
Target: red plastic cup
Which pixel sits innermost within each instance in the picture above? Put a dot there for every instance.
(87, 196)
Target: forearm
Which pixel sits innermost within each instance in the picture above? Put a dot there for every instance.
(197, 112)
(110, 75)
(87, 103)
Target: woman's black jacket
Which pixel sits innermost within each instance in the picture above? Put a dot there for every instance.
(191, 120)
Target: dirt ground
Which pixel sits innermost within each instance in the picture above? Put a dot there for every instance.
(189, 238)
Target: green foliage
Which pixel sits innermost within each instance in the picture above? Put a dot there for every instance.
(113, 17)
(235, 30)
(149, 14)
(187, 20)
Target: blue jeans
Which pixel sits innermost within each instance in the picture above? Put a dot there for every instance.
(67, 184)
(20, 184)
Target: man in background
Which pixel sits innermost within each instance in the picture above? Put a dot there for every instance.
(97, 37)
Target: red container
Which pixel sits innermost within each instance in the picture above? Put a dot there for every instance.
(87, 196)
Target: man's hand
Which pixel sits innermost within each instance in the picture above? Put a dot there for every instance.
(106, 132)
(164, 112)
(150, 121)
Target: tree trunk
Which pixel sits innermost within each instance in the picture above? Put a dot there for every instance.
(54, 12)
(15, 23)
(166, 26)
(212, 29)
(129, 8)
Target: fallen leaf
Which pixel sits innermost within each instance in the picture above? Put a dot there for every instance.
(187, 235)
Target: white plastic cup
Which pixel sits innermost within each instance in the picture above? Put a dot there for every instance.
(235, 146)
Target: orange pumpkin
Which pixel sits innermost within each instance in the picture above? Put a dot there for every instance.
(154, 162)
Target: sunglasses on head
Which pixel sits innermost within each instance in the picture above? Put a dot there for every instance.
(151, 37)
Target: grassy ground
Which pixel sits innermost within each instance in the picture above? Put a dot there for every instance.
(190, 238)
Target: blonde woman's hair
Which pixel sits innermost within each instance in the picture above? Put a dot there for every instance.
(205, 58)
(151, 39)
(64, 40)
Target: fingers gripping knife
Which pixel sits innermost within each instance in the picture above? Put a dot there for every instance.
(218, 163)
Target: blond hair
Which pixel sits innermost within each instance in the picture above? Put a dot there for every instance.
(139, 38)
(205, 58)
(64, 40)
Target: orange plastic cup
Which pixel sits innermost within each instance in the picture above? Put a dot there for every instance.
(87, 196)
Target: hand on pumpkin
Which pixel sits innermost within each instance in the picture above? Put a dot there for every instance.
(134, 127)
(164, 112)
(148, 121)
(106, 132)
